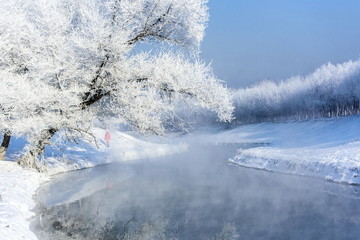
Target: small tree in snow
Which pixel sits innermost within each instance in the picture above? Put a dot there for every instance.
(64, 62)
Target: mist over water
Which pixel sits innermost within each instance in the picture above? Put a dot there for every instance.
(196, 195)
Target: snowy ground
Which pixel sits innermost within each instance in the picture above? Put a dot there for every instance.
(325, 148)
(17, 187)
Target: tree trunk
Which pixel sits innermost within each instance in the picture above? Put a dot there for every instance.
(29, 159)
(4, 145)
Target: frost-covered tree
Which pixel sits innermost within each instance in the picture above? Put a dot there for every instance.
(64, 63)
(330, 91)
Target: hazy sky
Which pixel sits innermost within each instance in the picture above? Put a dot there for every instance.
(251, 40)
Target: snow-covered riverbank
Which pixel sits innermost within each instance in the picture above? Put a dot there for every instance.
(327, 148)
(17, 187)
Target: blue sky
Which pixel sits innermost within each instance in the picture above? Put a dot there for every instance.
(251, 40)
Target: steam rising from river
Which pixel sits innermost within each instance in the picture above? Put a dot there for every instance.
(198, 195)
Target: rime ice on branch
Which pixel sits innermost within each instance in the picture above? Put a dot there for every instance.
(66, 63)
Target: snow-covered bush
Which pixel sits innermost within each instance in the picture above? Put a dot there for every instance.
(332, 90)
(65, 63)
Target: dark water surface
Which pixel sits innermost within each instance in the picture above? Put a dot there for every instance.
(195, 195)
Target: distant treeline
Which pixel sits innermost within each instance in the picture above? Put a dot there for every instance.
(331, 91)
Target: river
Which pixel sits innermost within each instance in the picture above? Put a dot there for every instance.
(194, 195)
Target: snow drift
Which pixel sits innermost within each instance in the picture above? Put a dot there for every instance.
(332, 90)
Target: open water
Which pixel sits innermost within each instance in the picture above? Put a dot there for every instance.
(194, 195)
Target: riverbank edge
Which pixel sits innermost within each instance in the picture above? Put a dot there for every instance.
(18, 190)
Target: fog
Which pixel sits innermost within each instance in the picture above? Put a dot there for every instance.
(195, 195)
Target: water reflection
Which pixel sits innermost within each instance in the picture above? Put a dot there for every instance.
(196, 195)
